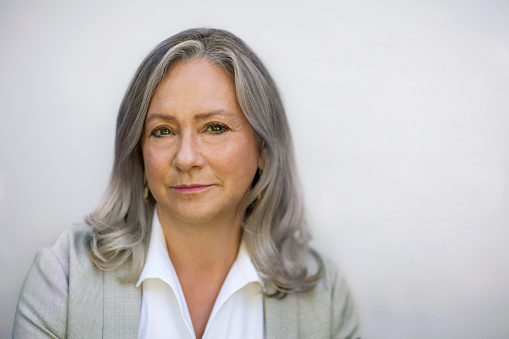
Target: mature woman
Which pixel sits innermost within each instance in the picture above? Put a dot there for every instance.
(201, 232)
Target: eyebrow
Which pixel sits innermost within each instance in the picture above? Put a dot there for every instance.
(200, 116)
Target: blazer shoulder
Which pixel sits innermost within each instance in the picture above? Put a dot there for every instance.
(330, 303)
(43, 300)
(71, 247)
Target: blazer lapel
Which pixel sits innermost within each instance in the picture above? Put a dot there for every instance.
(122, 304)
(281, 317)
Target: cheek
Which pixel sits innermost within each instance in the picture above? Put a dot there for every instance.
(156, 162)
(235, 159)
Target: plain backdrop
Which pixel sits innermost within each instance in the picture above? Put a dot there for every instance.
(399, 112)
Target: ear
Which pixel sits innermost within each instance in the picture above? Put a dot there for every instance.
(262, 158)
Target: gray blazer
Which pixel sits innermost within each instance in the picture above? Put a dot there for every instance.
(65, 296)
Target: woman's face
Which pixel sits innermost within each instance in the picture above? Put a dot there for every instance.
(199, 151)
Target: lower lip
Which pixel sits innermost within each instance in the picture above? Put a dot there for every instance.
(191, 189)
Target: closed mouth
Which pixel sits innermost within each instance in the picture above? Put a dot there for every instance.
(191, 188)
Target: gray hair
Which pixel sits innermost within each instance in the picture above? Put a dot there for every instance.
(272, 216)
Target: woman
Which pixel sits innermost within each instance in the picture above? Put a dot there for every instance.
(201, 232)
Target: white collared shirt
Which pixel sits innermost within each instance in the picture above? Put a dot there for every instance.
(237, 311)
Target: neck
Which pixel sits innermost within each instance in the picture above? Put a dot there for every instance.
(209, 248)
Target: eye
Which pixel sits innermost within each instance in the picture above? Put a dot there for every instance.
(217, 128)
(161, 132)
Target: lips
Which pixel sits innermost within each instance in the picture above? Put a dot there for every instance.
(193, 188)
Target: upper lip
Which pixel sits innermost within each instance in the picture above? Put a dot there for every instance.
(190, 186)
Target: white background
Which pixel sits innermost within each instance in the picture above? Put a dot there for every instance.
(399, 111)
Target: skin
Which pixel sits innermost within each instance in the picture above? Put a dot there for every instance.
(196, 135)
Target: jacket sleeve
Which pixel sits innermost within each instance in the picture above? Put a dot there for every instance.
(42, 304)
(345, 324)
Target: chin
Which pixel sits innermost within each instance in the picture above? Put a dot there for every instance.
(193, 213)
(199, 211)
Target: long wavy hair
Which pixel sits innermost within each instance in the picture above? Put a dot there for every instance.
(272, 215)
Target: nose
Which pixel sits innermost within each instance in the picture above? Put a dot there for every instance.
(188, 154)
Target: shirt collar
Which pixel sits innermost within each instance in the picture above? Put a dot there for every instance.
(158, 263)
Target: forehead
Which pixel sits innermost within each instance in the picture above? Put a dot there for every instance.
(193, 86)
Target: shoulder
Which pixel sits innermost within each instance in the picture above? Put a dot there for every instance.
(43, 301)
(332, 278)
(344, 319)
(326, 311)
(329, 307)
(70, 247)
(69, 250)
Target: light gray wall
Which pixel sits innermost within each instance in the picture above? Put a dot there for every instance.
(400, 113)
